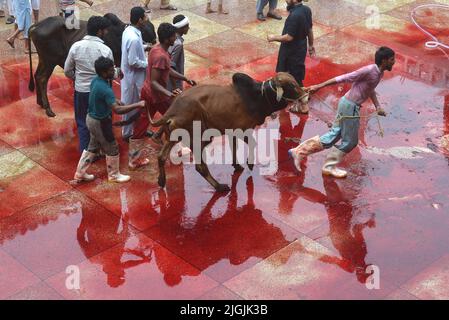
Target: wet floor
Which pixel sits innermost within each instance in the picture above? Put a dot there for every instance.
(280, 236)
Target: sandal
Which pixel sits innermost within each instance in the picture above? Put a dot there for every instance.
(169, 7)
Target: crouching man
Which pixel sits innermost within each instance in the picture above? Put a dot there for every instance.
(346, 125)
(99, 122)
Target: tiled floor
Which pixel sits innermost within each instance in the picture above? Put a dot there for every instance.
(282, 236)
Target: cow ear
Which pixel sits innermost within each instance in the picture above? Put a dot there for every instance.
(279, 93)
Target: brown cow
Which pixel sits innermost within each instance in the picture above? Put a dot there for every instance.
(242, 105)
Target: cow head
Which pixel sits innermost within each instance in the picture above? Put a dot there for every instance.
(287, 88)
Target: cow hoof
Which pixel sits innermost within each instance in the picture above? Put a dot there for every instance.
(50, 113)
(237, 167)
(161, 182)
(222, 188)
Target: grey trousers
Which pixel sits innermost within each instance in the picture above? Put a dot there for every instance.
(101, 136)
(261, 4)
(344, 129)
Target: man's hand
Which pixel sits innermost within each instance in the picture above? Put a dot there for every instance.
(313, 89)
(191, 82)
(271, 38)
(176, 92)
(312, 52)
(381, 112)
(142, 104)
(147, 47)
(119, 103)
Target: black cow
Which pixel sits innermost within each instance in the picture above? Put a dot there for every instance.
(53, 41)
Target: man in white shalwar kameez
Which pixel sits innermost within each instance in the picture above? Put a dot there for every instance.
(134, 64)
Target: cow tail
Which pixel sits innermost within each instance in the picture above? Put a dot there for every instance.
(31, 84)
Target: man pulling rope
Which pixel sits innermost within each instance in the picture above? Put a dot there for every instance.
(346, 125)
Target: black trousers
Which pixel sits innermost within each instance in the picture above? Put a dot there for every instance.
(293, 62)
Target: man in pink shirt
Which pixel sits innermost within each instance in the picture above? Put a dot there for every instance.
(346, 125)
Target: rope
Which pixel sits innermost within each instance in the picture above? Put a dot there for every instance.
(435, 43)
(340, 117)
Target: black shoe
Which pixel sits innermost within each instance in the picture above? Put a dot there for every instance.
(274, 16)
(10, 20)
(261, 17)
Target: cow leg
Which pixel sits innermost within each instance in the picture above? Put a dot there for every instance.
(235, 164)
(251, 148)
(37, 75)
(162, 158)
(43, 81)
(203, 170)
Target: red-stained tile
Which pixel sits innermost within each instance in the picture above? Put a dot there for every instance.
(303, 270)
(5, 148)
(14, 277)
(432, 283)
(220, 293)
(24, 123)
(136, 269)
(224, 237)
(61, 231)
(40, 291)
(24, 183)
(231, 48)
(140, 201)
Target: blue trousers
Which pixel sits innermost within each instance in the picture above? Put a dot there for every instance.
(344, 129)
(81, 105)
(261, 4)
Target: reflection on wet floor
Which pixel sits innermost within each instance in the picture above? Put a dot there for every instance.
(271, 237)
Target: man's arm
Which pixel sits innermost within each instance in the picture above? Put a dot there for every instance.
(119, 108)
(155, 84)
(346, 78)
(276, 38)
(311, 38)
(176, 75)
(175, 54)
(133, 56)
(69, 66)
(320, 86)
(380, 111)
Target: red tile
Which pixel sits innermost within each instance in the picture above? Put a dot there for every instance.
(24, 183)
(303, 271)
(140, 202)
(226, 236)
(231, 48)
(5, 148)
(220, 293)
(40, 291)
(61, 231)
(432, 283)
(24, 123)
(14, 277)
(137, 269)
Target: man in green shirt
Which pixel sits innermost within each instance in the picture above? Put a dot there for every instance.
(102, 102)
